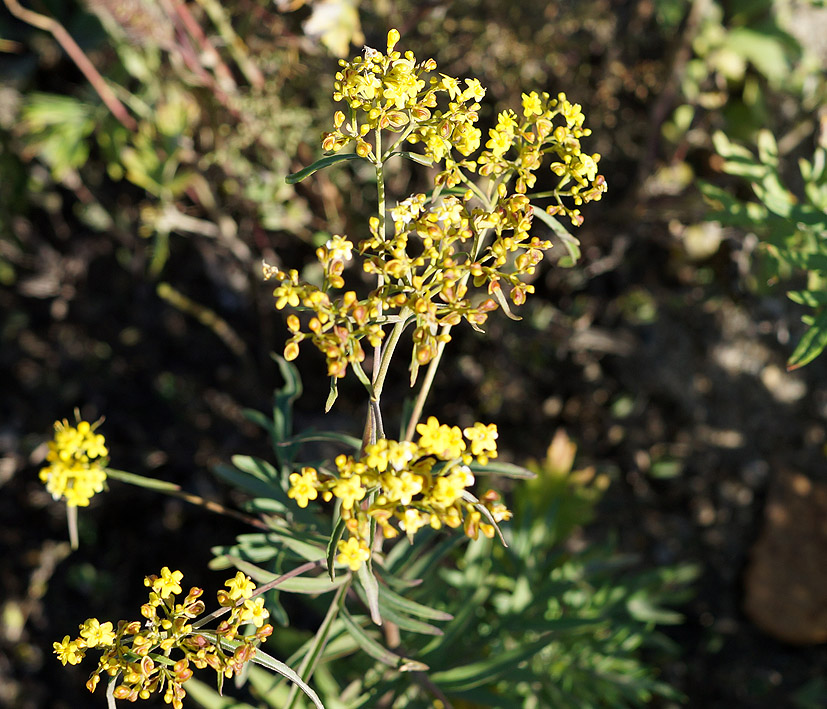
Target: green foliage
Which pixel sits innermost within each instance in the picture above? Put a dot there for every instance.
(530, 624)
(792, 228)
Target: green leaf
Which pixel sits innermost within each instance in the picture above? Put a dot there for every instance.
(811, 345)
(333, 544)
(271, 663)
(813, 299)
(141, 481)
(767, 148)
(368, 582)
(378, 651)
(570, 242)
(332, 396)
(331, 436)
(320, 164)
(252, 485)
(416, 157)
(641, 607)
(393, 600)
(256, 467)
(314, 652)
(507, 470)
(483, 672)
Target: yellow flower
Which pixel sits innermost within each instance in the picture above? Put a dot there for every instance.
(483, 441)
(68, 651)
(240, 586)
(77, 457)
(443, 441)
(254, 612)
(349, 491)
(353, 552)
(167, 584)
(532, 105)
(95, 633)
(401, 488)
(303, 486)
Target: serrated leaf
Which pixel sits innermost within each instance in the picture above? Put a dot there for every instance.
(320, 164)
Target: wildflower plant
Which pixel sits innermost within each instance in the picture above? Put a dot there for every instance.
(434, 260)
(157, 653)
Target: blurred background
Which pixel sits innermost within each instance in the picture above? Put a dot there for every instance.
(143, 150)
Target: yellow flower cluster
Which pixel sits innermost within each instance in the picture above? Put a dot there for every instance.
(519, 144)
(445, 245)
(415, 484)
(142, 651)
(388, 92)
(77, 460)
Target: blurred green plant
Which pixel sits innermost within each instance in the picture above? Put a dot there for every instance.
(792, 225)
(195, 142)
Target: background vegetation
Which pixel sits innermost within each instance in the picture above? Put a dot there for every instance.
(133, 222)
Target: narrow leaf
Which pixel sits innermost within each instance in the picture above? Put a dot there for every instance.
(497, 291)
(332, 545)
(394, 600)
(570, 242)
(320, 164)
(271, 663)
(141, 481)
(507, 470)
(476, 674)
(378, 651)
(332, 396)
(811, 345)
(416, 157)
(368, 581)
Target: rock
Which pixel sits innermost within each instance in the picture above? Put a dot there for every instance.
(786, 581)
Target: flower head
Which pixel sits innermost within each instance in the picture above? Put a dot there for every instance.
(77, 460)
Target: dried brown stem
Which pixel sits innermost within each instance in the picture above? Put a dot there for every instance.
(64, 39)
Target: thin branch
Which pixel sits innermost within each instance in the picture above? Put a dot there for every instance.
(64, 39)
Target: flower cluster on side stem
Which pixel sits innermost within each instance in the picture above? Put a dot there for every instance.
(77, 460)
(414, 484)
(156, 654)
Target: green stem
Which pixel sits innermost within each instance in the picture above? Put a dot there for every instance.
(314, 652)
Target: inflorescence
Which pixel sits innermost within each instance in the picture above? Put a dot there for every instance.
(417, 484)
(77, 460)
(447, 244)
(155, 655)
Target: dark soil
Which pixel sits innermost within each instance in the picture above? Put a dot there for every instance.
(668, 372)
